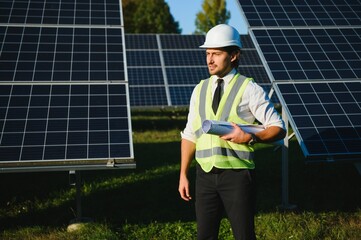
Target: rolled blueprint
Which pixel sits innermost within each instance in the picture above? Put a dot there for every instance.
(221, 127)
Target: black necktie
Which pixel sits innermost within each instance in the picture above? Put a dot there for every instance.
(217, 95)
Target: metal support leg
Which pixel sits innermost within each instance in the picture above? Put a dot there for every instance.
(78, 186)
(358, 167)
(75, 180)
(285, 201)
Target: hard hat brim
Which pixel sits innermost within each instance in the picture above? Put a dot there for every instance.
(218, 46)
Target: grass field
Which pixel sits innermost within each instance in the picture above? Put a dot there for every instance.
(144, 203)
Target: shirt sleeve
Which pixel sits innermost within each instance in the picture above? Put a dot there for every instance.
(261, 106)
(188, 133)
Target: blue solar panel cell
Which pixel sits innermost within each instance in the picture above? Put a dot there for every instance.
(246, 42)
(143, 58)
(185, 58)
(186, 75)
(141, 41)
(258, 73)
(145, 76)
(145, 96)
(250, 57)
(175, 41)
(181, 95)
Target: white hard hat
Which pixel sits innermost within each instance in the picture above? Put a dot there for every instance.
(222, 35)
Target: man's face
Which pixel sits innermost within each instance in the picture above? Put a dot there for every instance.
(218, 62)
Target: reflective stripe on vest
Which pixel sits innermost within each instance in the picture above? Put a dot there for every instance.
(224, 152)
(232, 95)
(202, 100)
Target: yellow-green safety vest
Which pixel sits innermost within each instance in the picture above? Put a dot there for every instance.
(211, 150)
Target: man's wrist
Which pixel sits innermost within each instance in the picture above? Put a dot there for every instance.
(253, 140)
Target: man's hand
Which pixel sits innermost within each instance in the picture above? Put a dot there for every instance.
(237, 135)
(184, 188)
(270, 134)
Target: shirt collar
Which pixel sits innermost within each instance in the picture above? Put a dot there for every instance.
(226, 78)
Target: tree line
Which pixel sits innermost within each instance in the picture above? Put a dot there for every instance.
(154, 16)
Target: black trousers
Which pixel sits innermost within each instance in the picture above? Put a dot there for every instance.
(232, 191)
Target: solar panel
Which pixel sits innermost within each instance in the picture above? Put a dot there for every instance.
(311, 51)
(173, 64)
(258, 73)
(180, 75)
(61, 54)
(63, 86)
(250, 58)
(181, 95)
(100, 12)
(302, 13)
(185, 58)
(146, 76)
(311, 54)
(53, 123)
(141, 41)
(143, 58)
(148, 96)
(326, 117)
(174, 41)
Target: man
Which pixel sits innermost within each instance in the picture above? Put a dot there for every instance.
(225, 177)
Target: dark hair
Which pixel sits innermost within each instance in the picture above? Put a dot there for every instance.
(232, 50)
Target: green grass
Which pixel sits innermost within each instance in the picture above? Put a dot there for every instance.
(144, 203)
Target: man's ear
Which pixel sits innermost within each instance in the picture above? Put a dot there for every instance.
(235, 55)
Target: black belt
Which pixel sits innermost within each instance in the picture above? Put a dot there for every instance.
(216, 170)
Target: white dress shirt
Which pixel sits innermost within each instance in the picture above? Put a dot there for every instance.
(255, 104)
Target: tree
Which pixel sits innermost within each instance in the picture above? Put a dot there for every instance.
(148, 16)
(214, 13)
(129, 8)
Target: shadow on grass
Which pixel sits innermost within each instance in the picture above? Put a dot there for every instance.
(316, 187)
(151, 196)
(150, 193)
(323, 186)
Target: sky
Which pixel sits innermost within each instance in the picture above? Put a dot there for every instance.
(185, 11)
